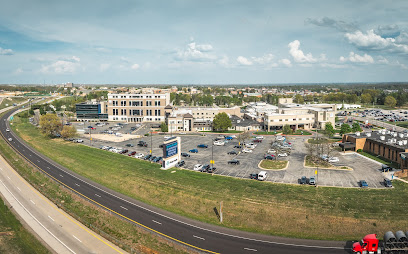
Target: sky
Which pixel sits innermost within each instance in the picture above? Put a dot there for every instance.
(203, 42)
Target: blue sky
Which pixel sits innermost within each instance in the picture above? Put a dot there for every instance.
(203, 42)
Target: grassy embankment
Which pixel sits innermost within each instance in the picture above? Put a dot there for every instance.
(7, 102)
(226, 132)
(380, 159)
(278, 209)
(92, 216)
(267, 133)
(273, 164)
(14, 238)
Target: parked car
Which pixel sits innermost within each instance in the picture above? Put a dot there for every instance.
(363, 184)
(211, 169)
(253, 176)
(234, 161)
(7, 130)
(387, 182)
(228, 138)
(139, 155)
(262, 176)
(282, 155)
(147, 157)
(142, 143)
(204, 168)
(181, 163)
(246, 150)
(79, 141)
(161, 145)
(202, 146)
(185, 154)
(312, 180)
(152, 158)
(385, 168)
(333, 159)
(197, 167)
(238, 146)
(270, 151)
(124, 151)
(269, 157)
(10, 139)
(158, 159)
(232, 153)
(233, 136)
(219, 143)
(258, 140)
(132, 153)
(195, 150)
(129, 145)
(303, 180)
(182, 133)
(259, 137)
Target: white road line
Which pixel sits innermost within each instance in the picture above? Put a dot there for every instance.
(77, 238)
(61, 175)
(199, 237)
(8, 177)
(156, 222)
(48, 167)
(18, 189)
(38, 160)
(32, 201)
(1, 169)
(250, 249)
(123, 207)
(76, 184)
(51, 218)
(97, 195)
(36, 218)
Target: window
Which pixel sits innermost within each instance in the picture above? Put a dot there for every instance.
(123, 103)
(157, 112)
(157, 103)
(123, 112)
(114, 103)
(115, 111)
(148, 103)
(149, 112)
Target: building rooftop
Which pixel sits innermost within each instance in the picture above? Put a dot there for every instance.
(398, 140)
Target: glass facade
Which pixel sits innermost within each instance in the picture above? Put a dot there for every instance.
(90, 111)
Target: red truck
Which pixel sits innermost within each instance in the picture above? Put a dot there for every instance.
(397, 243)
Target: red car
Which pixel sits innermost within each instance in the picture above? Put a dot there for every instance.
(132, 153)
(258, 140)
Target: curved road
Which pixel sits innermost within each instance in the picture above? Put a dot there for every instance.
(196, 235)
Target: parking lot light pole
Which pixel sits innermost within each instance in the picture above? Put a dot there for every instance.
(151, 142)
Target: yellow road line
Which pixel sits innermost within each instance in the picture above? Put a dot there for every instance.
(146, 227)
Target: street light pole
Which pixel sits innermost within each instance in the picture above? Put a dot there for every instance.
(151, 142)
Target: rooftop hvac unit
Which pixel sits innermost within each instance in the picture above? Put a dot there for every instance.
(368, 134)
(382, 137)
(405, 142)
(388, 132)
(400, 142)
(401, 135)
(394, 140)
(357, 134)
(395, 134)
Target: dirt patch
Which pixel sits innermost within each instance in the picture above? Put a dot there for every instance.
(113, 138)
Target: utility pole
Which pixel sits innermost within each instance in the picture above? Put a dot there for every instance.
(212, 155)
(221, 211)
(151, 141)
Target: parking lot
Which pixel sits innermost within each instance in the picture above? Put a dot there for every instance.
(363, 168)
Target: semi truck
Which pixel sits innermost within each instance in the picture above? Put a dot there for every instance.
(391, 244)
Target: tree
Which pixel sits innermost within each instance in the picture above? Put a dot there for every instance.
(243, 136)
(366, 98)
(221, 122)
(345, 128)
(286, 129)
(50, 124)
(356, 127)
(164, 127)
(329, 130)
(299, 99)
(68, 131)
(390, 101)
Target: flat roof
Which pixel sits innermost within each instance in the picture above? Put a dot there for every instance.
(389, 138)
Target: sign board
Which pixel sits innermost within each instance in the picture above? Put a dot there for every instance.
(171, 152)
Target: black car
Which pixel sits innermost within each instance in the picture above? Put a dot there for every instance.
(181, 163)
(124, 151)
(234, 161)
(129, 145)
(387, 183)
(202, 146)
(152, 158)
(253, 176)
(303, 180)
(238, 146)
(269, 157)
(161, 146)
(205, 168)
(147, 157)
(232, 153)
(385, 168)
(211, 169)
(142, 143)
(185, 154)
(157, 159)
(132, 128)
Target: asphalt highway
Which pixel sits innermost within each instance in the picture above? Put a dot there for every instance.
(196, 235)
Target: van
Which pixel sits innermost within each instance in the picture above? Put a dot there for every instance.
(262, 176)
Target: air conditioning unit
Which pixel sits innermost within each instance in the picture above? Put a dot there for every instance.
(368, 134)
(382, 137)
(401, 135)
(405, 142)
(357, 134)
(395, 134)
(400, 142)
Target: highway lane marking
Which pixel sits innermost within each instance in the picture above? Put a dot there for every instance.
(18, 201)
(191, 225)
(77, 238)
(61, 175)
(32, 201)
(124, 207)
(38, 161)
(76, 184)
(8, 177)
(18, 189)
(199, 237)
(250, 249)
(51, 218)
(48, 167)
(156, 222)
(97, 195)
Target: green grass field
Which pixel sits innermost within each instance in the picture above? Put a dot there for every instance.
(273, 164)
(230, 131)
(7, 102)
(277, 209)
(267, 133)
(14, 238)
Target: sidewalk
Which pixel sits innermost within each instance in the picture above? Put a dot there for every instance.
(53, 226)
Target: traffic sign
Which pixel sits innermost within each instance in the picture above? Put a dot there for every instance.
(315, 172)
(211, 162)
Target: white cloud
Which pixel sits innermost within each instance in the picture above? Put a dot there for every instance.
(104, 67)
(6, 51)
(224, 61)
(383, 60)
(266, 59)
(372, 41)
(61, 67)
(298, 54)
(195, 52)
(286, 62)
(243, 60)
(340, 25)
(356, 58)
(135, 67)
(18, 71)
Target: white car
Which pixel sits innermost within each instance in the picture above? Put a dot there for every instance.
(10, 139)
(259, 137)
(271, 151)
(246, 150)
(7, 130)
(197, 167)
(166, 137)
(282, 155)
(79, 141)
(182, 133)
(139, 155)
(333, 159)
(219, 143)
(233, 136)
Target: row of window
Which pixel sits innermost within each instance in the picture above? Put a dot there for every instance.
(136, 112)
(137, 96)
(287, 120)
(136, 103)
